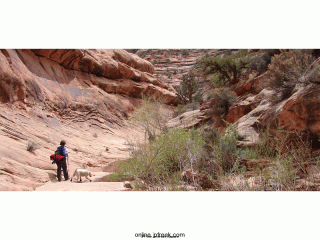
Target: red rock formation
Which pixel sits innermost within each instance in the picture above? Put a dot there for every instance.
(82, 96)
(171, 64)
(299, 113)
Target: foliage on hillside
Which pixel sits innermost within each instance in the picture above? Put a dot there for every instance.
(226, 68)
(288, 69)
(158, 163)
(274, 163)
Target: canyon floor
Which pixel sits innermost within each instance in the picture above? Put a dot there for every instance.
(88, 145)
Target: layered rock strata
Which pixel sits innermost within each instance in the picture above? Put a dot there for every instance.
(82, 96)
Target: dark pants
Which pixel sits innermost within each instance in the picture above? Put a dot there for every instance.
(62, 165)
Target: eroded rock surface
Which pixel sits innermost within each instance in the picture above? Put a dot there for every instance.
(300, 112)
(248, 113)
(82, 96)
(171, 64)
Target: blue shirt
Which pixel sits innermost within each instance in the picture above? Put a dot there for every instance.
(62, 151)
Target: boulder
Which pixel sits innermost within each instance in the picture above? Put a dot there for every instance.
(186, 120)
(127, 184)
(199, 179)
(248, 125)
(240, 109)
(300, 112)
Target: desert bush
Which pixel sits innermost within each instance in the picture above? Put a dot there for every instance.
(181, 108)
(168, 61)
(221, 151)
(227, 68)
(187, 88)
(152, 115)
(228, 52)
(32, 147)
(294, 154)
(287, 152)
(159, 164)
(168, 73)
(282, 176)
(287, 68)
(143, 54)
(211, 137)
(268, 145)
(226, 151)
(185, 53)
(223, 99)
(262, 60)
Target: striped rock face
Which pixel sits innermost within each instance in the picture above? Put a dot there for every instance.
(81, 96)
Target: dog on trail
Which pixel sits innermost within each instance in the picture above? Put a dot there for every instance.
(79, 172)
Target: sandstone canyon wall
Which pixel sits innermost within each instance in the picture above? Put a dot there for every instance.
(82, 96)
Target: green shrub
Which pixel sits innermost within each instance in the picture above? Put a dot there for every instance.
(262, 60)
(168, 74)
(181, 108)
(287, 68)
(226, 68)
(185, 53)
(151, 115)
(158, 164)
(211, 137)
(187, 87)
(218, 80)
(226, 150)
(168, 61)
(223, 99)
(143, 54)
(228, 52)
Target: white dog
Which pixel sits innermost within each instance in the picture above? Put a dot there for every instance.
(79, 172)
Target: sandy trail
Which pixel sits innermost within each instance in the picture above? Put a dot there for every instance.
(83, 186)
(98, 184)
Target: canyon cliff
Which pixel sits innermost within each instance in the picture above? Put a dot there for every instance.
(81, 96)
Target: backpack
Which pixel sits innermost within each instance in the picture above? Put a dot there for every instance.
(56, 157)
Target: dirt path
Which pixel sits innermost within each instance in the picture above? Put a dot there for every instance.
(99, 183)
(83, 186)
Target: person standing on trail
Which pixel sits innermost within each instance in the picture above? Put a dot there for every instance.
(63, 162)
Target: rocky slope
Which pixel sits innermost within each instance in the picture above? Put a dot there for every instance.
(82, 96)
(171, 64)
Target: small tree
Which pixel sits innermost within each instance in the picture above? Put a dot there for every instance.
(188, 87)
(151, 115)
(226, 68)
